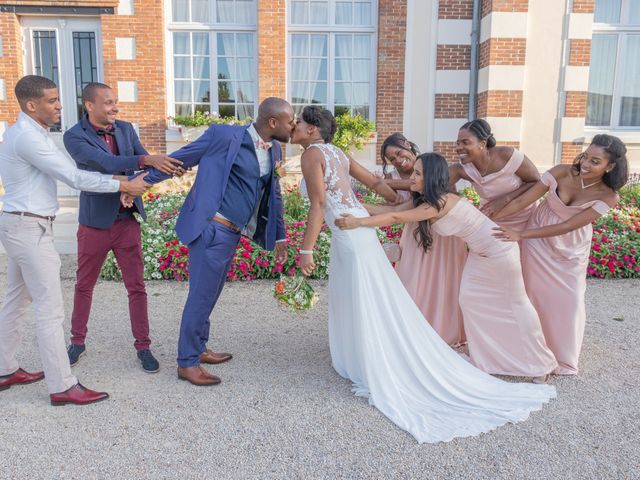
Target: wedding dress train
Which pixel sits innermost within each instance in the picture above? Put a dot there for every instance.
(380, 340)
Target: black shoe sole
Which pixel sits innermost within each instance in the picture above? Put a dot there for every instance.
(61, 404)
(151, 371)
(79, 357)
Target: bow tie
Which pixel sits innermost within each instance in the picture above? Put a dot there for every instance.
(102, 132)
(262, 145)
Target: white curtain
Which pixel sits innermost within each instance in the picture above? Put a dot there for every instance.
(607, 11)
(630, 94)
(601, 77)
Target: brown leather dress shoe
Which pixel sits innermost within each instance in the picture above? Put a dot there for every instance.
(77, 395)
(197, 376)
(19, 377)
(214, 358)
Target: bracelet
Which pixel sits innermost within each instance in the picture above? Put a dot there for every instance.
(306, 252)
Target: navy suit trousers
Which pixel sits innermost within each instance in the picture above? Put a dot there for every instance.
(210, 257)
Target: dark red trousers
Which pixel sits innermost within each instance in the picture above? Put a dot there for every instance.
(93, 246)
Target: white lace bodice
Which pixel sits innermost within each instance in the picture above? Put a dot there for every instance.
(340, 197)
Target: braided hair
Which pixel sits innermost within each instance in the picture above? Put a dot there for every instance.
(481, 130)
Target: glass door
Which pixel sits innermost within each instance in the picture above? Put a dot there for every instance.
(67, 51)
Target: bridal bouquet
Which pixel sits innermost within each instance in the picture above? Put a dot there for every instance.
(295, 293)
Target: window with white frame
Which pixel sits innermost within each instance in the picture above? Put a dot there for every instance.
(213, 57)
(331, 55)
(614, 85)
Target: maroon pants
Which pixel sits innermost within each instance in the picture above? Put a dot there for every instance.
(93, 246)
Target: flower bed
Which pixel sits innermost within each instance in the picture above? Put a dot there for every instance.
(615, 249)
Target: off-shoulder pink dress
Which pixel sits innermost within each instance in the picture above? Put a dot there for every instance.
(433, 279)
(502, 327)
(499, 183)
(554, 271)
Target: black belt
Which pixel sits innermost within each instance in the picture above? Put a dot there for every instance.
(29, 214)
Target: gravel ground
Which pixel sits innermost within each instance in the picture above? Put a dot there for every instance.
(282, 412)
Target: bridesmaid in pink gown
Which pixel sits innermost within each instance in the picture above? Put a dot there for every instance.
(501, 324)
(557, 240)
(498, 173)
(432, 278)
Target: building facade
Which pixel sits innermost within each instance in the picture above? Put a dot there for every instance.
(547, 74)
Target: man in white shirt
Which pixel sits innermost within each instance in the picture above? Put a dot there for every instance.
(30, 164)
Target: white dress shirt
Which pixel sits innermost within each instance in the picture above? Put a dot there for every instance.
(30, 164)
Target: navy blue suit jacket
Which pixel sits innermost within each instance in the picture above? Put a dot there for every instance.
(90, 152)
(214, 152)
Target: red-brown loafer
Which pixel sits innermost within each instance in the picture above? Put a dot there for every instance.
(214, 358)
(19, 377)
(197, 376)
(77, 395)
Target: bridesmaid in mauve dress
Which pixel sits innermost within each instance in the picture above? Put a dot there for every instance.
(502, 327)
(557, 240)
(431, 278)
(498, 173)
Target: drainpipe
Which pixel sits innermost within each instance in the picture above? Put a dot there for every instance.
(475, 54)
(562, 94)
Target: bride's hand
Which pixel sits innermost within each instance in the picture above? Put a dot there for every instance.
(307, 264)
(347, 222)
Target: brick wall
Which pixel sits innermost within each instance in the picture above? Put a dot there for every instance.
(452, 105)
(455, 9)
(489, 6)
(583, 6)
(10, 64)
(453, 57)
(575, 106)
(148, 68)
(392, 30)
(500, 103)
(579, 52)
(272, 37)
(502, 51)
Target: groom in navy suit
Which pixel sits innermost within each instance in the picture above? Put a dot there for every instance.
(235, 191)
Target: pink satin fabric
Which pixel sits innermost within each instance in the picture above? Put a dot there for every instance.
(502, 327)
(554, 271)
(433, 281)
(500, 183)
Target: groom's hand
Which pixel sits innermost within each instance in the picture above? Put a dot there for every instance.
(281, 252)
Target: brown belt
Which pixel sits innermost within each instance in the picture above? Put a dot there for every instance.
(226, 223)
(29, 214)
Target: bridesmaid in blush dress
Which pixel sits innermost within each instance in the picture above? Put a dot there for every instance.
(557, 240)
(498, 173)
(502, 327)
(432, 278)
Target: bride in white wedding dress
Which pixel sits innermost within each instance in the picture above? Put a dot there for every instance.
(378, 337)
